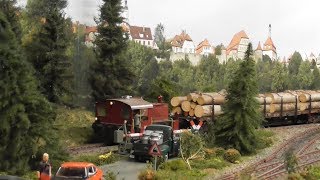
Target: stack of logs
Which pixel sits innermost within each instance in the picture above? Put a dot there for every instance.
(201, 104)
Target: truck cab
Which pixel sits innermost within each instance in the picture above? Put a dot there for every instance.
(162, 135)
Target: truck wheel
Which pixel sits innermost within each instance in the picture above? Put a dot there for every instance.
(108, 138)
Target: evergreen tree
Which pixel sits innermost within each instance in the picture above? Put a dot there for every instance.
(47, 47)
(11, 11)
(110, 74)
(24, 113)
(237, 126)
(293, 69)
(305, 77)
(316, 79)
(279, 78)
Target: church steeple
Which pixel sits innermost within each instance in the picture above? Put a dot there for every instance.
(125, 13)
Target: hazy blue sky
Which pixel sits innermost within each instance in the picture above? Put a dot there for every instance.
(295, 24)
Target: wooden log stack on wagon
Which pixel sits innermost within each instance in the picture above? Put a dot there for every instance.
(199, 105)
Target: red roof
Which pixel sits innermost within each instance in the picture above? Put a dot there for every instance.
(259, 47)
(76, 164)
(268, 45)
(178, 40)
(202, 44)
(235, 41)
(91, 29)
(138, 32)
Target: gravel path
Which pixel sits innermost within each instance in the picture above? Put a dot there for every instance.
(125, 169)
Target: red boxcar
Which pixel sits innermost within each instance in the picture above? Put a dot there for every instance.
(138, 113)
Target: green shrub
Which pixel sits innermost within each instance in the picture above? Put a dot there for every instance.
(232, 155)
(264, 138)
(97, 159)
(295, 176)
(219, 151)
(216, 163)
(311, 173)
(174, 165)
(209, 153)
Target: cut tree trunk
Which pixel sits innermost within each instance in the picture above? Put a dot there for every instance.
(205, 111)
(286, 107)
(286, 97)
(267, 108)
(260, 99)
(176, 110)
(209, 98)
(191, 112)
(192, 97)
(305, 96)
(193, 105)
(176, 101)
(305, 106)
(185, 105)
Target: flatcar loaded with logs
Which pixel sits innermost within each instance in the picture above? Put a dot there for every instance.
(132, 114)
(289, 107)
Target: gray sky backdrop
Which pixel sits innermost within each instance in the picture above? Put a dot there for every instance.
(295, 24)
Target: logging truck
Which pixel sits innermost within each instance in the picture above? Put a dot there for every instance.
(195, 109)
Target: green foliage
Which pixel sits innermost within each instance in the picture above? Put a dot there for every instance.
(190, 146)
(25, 114)
(174, 165)
(264, 75)
(10, 10)
(316, 79)
(236, 127)
(305, 76)
(219, 151)
(217, 50)
(232, 155)
(208, 75)
(74, 126)
(47, 48)
(94, 158)
(279, 77)
(291, 161)
(110, 74)
(311, 173)
(295, 176)
(293, 68)
(212, 163)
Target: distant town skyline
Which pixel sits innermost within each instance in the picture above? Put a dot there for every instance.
(294, 24)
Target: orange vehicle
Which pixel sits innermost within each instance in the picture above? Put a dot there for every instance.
(78, 170)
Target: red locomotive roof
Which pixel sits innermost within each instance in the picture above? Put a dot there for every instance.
(134, 103)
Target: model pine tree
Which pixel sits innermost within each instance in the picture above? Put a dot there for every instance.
(46, 46)
(236, 127)
(110, 75)
(25, 115)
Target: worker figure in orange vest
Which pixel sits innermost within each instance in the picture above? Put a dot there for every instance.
(44, 171)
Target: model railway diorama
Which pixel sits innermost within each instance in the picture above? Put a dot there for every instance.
(132, 115)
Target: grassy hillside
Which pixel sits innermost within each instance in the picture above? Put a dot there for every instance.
(74, 125)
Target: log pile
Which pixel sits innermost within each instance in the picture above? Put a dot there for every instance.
(210, 104)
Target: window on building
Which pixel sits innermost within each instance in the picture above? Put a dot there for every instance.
(144, 42)
(149, 43)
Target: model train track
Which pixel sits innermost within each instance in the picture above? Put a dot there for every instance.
(303, 145)
(91, 148)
